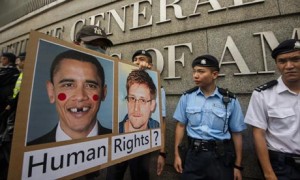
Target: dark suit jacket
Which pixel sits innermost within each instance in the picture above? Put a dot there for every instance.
(8, 78)
(50, 136)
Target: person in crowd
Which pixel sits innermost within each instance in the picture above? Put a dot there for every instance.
(94, 38)
(8, 118)
(20, 61)
(8, 77)
(77, 87)
(213, 120)
(274, 114)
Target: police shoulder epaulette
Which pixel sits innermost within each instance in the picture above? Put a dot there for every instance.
(266, 85)
(225, 92)
(191, 90)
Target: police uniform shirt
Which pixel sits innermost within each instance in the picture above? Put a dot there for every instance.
(277, 110)
(204, 117)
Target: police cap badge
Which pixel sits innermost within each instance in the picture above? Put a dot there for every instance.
(142, 52)
(206, 61)
(286, 46)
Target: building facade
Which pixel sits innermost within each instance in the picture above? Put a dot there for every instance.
(240, 33)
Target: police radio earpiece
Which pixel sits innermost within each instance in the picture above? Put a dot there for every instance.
(226, 98)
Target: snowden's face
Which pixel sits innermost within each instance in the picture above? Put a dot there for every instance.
(289, 66)
(77, 92)
(140, 109)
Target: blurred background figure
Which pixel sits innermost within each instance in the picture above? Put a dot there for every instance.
(8, 77)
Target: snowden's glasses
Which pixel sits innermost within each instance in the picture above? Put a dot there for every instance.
(132, 100)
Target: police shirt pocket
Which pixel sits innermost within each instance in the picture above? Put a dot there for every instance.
(219, 118)
(276, 115)
(281, 112)
(194, 115)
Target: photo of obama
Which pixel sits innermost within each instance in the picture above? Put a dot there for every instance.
(77, 88)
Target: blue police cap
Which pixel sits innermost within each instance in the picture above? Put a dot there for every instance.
(286, 46)
(206, 61)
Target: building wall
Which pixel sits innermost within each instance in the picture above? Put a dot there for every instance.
(12, 10)
(242, 32)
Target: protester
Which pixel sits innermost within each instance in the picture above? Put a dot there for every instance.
(8, 77)
(94, 38)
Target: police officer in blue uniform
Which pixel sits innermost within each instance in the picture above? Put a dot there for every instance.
(213, 119)
(274, 114)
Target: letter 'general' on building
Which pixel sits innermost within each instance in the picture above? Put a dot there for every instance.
(240, 33)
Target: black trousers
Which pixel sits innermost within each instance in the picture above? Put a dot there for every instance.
(208, 165)
(284, 166)
(139, 169)
(5, 149)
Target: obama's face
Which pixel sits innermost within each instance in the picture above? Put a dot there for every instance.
(77, 92)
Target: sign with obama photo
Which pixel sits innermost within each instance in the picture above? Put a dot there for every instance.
(80, 111)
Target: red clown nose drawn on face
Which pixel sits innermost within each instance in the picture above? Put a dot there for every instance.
(62, 96)
(95, 97)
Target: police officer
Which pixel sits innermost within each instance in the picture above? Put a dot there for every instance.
(274, 113)
(212, 117)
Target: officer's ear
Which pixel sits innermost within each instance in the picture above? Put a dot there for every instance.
(50, 91)
(215, 74)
